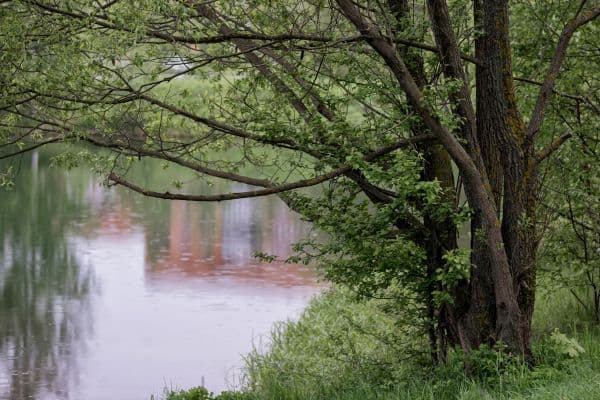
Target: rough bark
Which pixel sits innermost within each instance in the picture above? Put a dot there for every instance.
(441, 235)
(501, 134)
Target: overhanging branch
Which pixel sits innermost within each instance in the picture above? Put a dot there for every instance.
(270, 188)
(230, 36)
(30, 148)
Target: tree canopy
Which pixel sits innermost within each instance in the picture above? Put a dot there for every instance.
(413, 117)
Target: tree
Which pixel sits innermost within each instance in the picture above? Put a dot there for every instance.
(373, 97)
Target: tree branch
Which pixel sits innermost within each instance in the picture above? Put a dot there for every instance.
(556, 92)
(454, 69)
(219, 126)
(388, 53)
(30, 148)
(230, 36)
(537, 116)
(164, 155)
(552, 147)
(269, 188)
(225, 196)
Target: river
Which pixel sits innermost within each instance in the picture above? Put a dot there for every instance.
(105, 294)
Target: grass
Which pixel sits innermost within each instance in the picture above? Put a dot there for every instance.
(344, 349)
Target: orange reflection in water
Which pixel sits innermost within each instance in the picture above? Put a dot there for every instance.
(110, 214)
(220, 240)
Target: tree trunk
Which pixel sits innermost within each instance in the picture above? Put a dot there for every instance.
(508, 326)
(441, 236)
(511, 173)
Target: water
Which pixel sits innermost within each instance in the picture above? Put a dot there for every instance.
(105, 294)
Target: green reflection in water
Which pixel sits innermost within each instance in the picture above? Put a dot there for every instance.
(44, 292)
(47, 290)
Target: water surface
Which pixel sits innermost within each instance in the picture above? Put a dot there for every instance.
(105, 294)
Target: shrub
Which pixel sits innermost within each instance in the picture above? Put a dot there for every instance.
(195, 393)
(201, 393)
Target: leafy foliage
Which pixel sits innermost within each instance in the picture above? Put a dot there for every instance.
(201, 393)
(369, 102)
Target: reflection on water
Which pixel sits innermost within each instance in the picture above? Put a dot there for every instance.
(44, 291)
(222, 239)
(106, 294)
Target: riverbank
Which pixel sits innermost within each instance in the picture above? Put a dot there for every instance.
(342, 348)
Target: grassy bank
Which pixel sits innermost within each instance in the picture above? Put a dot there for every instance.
(345, 349)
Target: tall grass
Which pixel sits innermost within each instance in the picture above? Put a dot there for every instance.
(345, 349)
(342, 348)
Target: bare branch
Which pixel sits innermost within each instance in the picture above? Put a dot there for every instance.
(225, 196)
(552, 147)
(582, 99)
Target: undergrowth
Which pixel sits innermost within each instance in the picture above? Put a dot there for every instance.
(343, 348)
